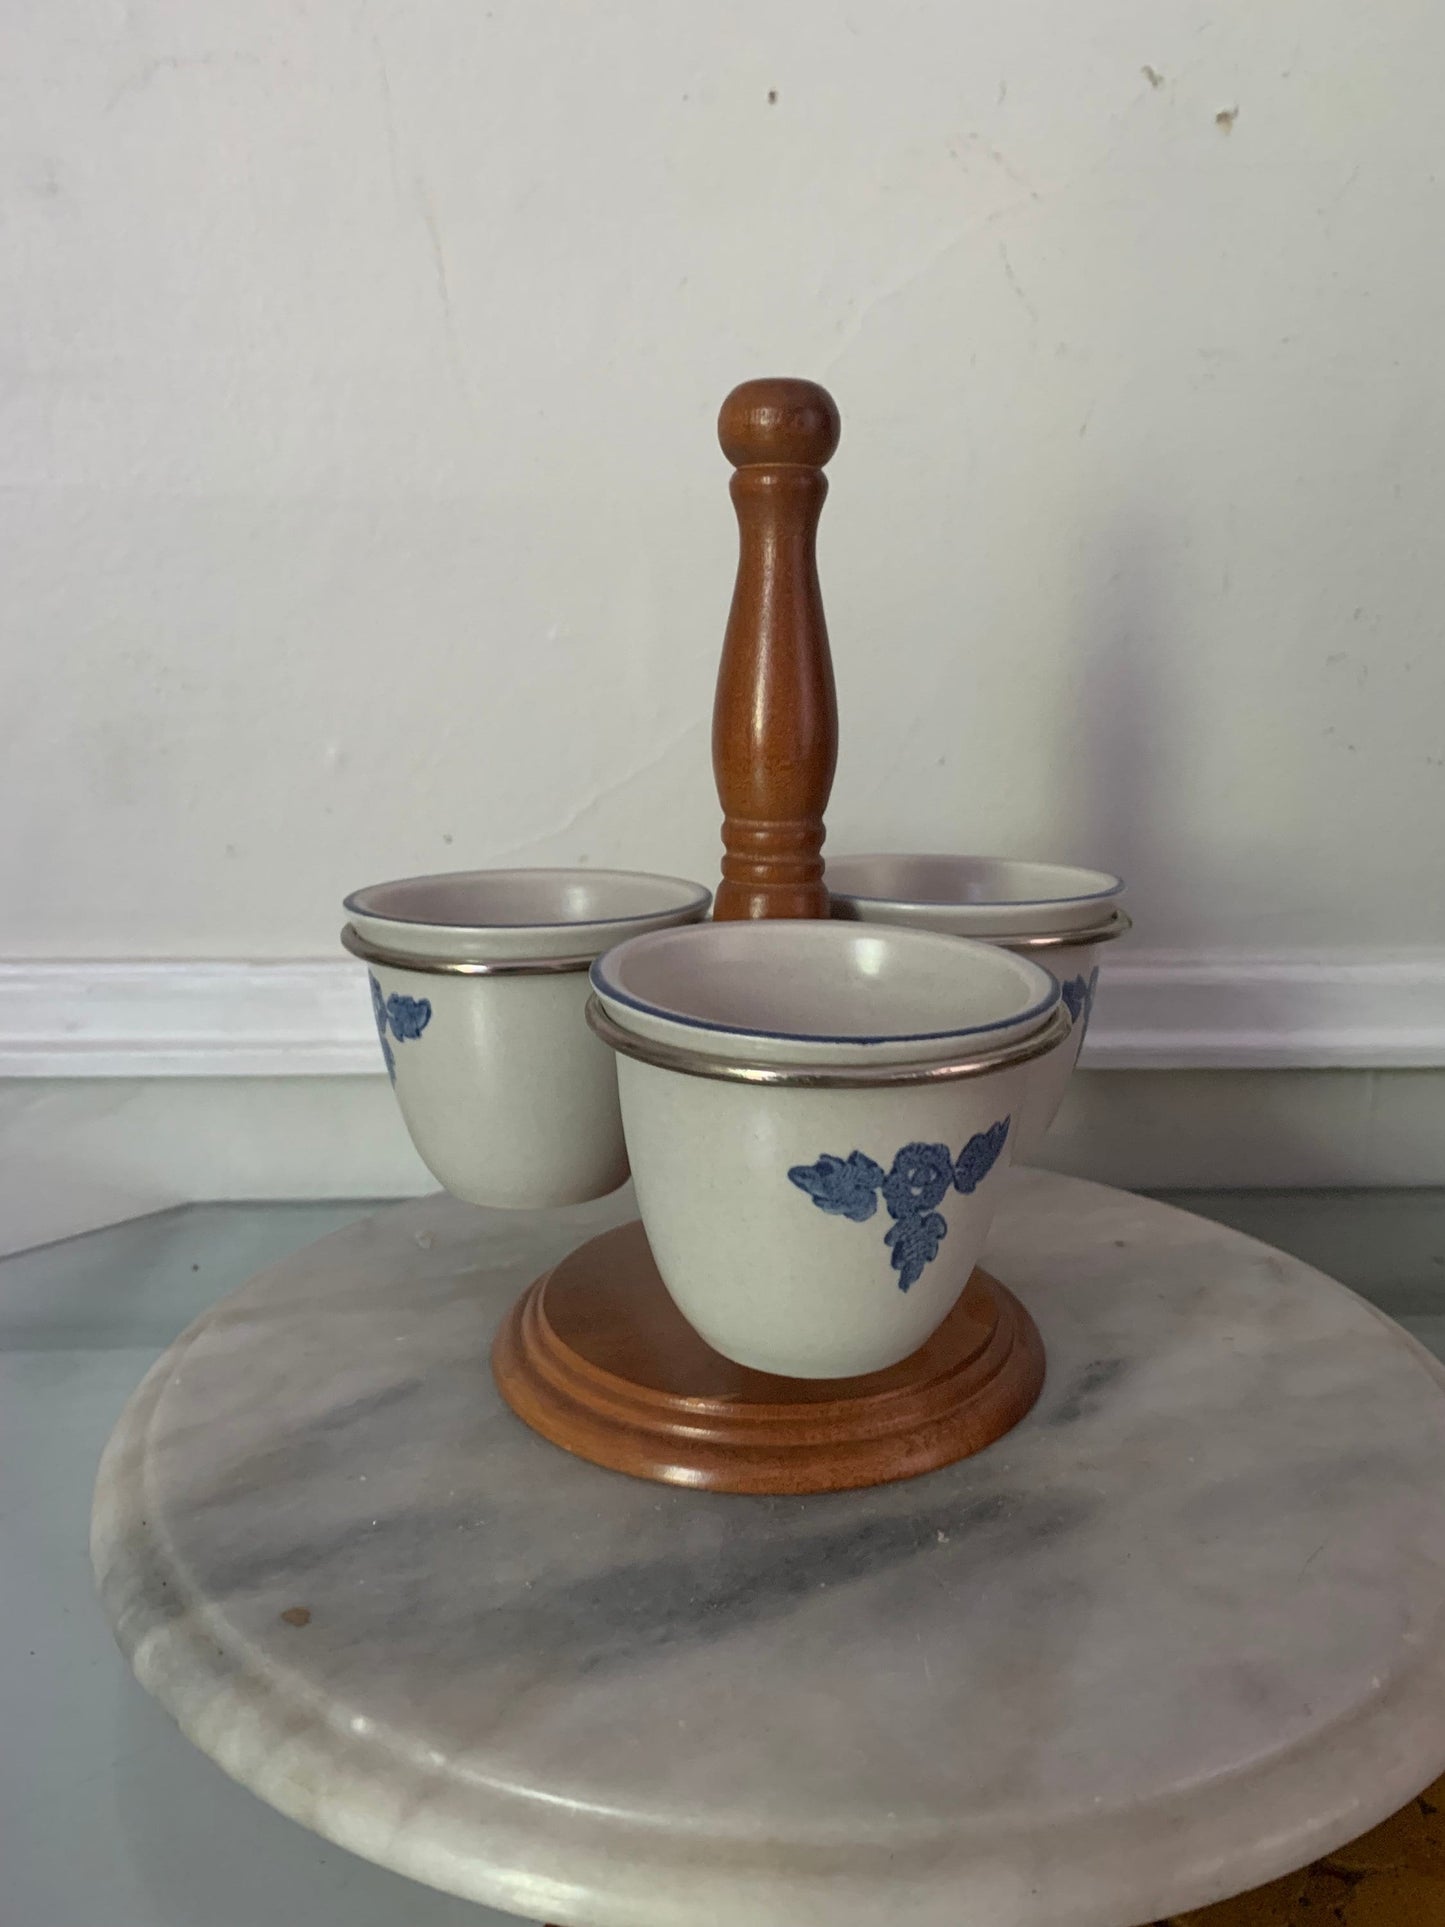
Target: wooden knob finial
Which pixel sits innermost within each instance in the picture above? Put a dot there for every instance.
(765, 422)
(775, 718)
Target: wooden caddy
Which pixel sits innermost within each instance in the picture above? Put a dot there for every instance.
(595, 1355)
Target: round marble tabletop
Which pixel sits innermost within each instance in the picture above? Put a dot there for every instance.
(1179, 1632)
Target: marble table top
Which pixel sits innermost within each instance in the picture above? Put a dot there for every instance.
(1180, 1631)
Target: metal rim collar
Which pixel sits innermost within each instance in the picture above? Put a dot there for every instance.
(1115, 925)
(359, 946)
(834, 1077)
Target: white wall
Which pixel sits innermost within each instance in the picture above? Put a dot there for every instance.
(362, 512)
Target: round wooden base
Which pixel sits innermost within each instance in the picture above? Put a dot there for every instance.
(597, 1358)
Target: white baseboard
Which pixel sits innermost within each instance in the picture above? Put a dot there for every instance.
(186, 1020)
(1167, 1010)
(1156, 1010)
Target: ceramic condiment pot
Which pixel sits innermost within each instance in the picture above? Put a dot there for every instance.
(1058, 915)
(819, 1116)
(479, 986)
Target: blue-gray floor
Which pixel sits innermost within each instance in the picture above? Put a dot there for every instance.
(108, 1817)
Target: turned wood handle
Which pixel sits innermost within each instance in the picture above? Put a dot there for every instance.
(775, 718)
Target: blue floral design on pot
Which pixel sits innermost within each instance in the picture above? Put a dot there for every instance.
(408, 1016)
(979, 1156)
(847, 1186)
(405, 1017)
(1078, 996)
(914, 1242)
(919, 1179)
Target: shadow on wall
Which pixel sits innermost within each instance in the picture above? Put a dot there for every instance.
(1127, 750)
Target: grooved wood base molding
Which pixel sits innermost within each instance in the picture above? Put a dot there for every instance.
(597, 1358)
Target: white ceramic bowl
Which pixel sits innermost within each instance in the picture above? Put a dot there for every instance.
(818, 1127)
(970, 896)
(479, 988)
(495, 916)
(794, 991)
(1049, 909)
